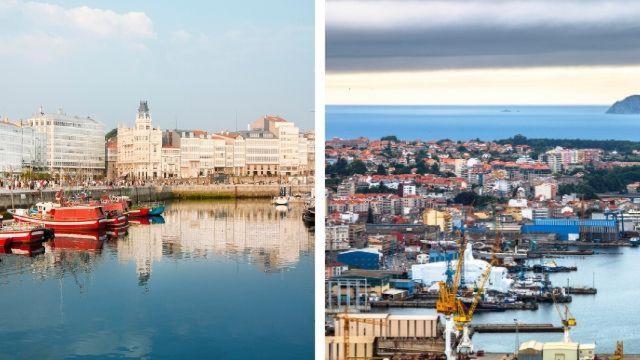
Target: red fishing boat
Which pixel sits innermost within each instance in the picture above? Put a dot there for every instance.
(20, 233)
(139, 212)
(115, 211)
(79, 217)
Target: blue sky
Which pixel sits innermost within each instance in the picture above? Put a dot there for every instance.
(195, 61)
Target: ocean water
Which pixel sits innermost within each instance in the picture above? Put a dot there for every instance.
(219, 280)
(484, 122)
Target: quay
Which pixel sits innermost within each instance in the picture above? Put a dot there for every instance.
(543, 252)
(509, 356)
(26, 198)
(591, 244)
(431, 304)
(512, 328)
(581, 290)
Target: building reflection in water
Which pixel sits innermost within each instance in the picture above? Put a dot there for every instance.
(251, 231)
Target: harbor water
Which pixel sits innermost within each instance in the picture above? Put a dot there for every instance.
(605, 318)
(224, 280)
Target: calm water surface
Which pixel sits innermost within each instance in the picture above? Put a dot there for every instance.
(484, 122)
(604, 318)
(224, 280)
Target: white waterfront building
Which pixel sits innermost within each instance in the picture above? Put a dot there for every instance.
(74, 145)
(21, 147)
(140, 147)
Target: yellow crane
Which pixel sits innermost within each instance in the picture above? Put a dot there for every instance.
(448, 302)
(567, 319)
(346, 328)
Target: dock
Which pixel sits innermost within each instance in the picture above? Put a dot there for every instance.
(581, 252)
(511, 328)
(583, 290)
(431, 304)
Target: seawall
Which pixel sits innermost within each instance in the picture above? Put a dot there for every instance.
(26, 198)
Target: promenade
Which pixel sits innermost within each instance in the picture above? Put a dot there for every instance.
(27, 197)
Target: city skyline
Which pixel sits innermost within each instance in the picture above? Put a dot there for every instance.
(489, 53)
(64, 55)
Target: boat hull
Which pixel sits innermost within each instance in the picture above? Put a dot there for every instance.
(97, 224)
(117, 222)
(14, 237)
(156, 210)
(139, 212)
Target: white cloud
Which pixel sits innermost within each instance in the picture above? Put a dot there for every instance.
(386, 14)
(42, 32)
(100, 22)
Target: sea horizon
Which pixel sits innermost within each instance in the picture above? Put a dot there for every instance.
(486, 122)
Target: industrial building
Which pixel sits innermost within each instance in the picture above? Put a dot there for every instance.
(534, 350)
(366, 332)
(367, 258)
(574, 229)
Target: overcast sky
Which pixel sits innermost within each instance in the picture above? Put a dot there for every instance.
(482, 52)
(197, 62)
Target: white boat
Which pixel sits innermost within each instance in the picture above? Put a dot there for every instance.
(281, 200)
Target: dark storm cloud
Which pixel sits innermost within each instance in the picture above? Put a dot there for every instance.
(411, 35)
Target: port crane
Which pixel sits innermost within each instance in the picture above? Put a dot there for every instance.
(448, 302)
(566, 318)
(346, 327)
(464, 315)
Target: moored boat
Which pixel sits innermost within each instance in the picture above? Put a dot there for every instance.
(139, 212)
(79, 217)
(156, 209)
(281, 200)
(309, 216)
(21, 233)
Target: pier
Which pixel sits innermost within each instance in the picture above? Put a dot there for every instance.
(512, 328)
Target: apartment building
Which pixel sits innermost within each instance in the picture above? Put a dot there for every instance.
(21, 147)
(74, 145)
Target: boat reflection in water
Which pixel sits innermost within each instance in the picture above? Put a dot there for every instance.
(78, 240)
(206, 279)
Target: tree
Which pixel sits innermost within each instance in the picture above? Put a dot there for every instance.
(391, 138)
(422, 168)
(381, 170)
(110, 134)
(370, 216)
(357, 167)
(465, 198)
(340, 168)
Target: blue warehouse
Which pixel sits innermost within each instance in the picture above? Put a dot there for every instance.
(573, 229)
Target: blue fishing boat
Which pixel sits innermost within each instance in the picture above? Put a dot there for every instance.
(156, 209)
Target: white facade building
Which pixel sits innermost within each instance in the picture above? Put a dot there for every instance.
(74, 144)
(287, 153)
(140, 147)
(21, 147)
